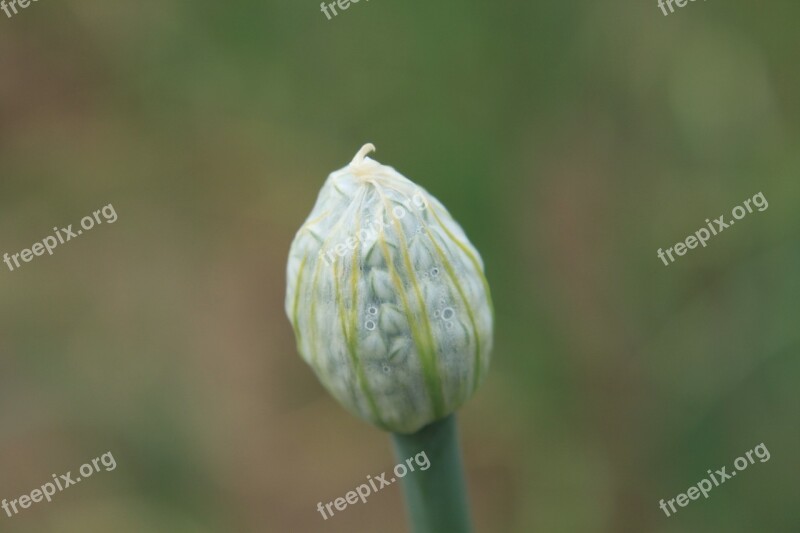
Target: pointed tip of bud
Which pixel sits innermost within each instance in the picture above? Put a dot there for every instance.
(359, 158)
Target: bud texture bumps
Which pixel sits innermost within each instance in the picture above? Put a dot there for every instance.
(388, 299)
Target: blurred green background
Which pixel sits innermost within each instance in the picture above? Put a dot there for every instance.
(570, 139)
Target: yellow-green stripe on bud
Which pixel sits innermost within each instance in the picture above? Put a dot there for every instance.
(388, 298)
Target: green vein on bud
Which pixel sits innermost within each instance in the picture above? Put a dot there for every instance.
(424, 343)
(448, 267)
(350, 337)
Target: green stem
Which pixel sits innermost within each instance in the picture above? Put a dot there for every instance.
(436, 497)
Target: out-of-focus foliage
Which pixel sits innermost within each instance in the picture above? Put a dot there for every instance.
(570, 139)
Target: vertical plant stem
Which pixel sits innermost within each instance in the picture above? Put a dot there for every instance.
(436, 498)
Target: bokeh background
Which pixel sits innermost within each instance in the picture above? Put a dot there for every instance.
(570, 139)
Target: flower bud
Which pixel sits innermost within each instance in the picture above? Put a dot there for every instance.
(388, 299)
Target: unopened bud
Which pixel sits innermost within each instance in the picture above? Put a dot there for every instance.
(388, 299)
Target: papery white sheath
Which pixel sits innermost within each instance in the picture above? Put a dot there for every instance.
(388, 298)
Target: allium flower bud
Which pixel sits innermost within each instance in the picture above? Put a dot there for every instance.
(388, 299)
